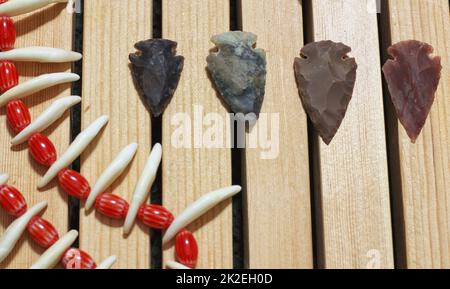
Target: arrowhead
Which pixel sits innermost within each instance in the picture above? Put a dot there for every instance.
(412, 77)
(156, 70)
(239, 71)
(326, 79)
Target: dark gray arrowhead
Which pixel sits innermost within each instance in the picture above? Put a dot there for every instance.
(239, 71)
(156, 70)
(326, 78)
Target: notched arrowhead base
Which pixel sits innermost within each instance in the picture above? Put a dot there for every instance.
(413, 77)
(156, 70)
(326, 78)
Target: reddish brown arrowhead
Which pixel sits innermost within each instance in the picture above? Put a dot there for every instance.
(326, 78)
(412, 77)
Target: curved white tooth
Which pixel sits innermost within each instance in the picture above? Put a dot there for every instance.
(3, 179)
(70, 8)
(75, 149)
(198, 208)
(47, 118)
(53, 255)
(40, 54)
(176, 265)
(37, 84)
(112, 172)
(107, 263)
(16, 229)
(143, 186)
(18, 7)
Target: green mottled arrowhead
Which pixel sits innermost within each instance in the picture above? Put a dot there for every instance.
(239, 71)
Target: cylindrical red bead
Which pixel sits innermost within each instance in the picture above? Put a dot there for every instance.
(12, 201)
(186, 248)
(77, 259)
(18, 115)
(74, 184)
(7, 33)
(112, 206)
(8, 76)
(42, 149)
(155, 216)
(42, 232)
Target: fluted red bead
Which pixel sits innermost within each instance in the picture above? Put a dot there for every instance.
(111, 206)
(42, 232)
(74, 184)
(18, 115)
(77, 259)
(186, 248)
(8, 76)
(42, 149)
(12, 201)
(155, 216)
(7, 33)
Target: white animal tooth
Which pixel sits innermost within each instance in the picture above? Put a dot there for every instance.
(40, 54)
(143, 186)
(3, 179)
(112, 172)
(36, 84)
(176, 266)
(75, 149)
(18, 7)
(198, 208)
(107, 263)
(53, 255)
(70, 8)
(47, 118)
(16, 229)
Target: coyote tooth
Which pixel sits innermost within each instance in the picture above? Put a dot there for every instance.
(40, 54)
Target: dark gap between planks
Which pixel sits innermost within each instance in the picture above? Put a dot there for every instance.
(393, 154)
(156, 257)
(237, 165)
(318, 241)
(75, 114)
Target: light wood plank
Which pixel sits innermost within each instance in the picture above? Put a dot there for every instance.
(111, 27)
(51, 26)
(354, 175)
(278, 193)
(425, 166)
(188, 173)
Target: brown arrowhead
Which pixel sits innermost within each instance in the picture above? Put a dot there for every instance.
(412, 77)
(326, 78)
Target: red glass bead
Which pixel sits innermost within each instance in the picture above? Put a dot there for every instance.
(18, 115)
(42, 232)
(77, 259)
(8, 76)
(186, 248)
(155, 217)
(7, 33)
(74, 184)
(12, 201)
(112, 206)
(42, 149)
(3, 1)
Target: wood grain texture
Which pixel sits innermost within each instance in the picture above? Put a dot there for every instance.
(111, 27)
(425, 166)
(277, 206)
(51, 26)
(353, 169)
(189, 173)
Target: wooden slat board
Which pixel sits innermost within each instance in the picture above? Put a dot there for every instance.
(48, 27)
(425, 166)
(353, 169)
(190, 173)
(111, 27)
(278, 195)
